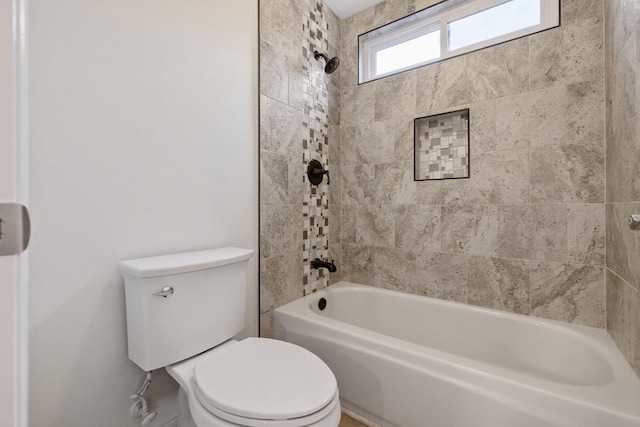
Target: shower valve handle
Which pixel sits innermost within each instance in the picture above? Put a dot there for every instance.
(316, 172)
(323, 172)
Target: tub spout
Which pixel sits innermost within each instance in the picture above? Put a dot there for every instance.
(318, 264)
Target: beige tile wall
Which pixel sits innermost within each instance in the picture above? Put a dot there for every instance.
(281, 108)
(526, 232)
(285, 108)
(622, 29)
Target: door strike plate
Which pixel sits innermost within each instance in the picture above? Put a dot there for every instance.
(15, 228)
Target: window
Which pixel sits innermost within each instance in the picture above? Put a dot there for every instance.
(420, 49)
(449, 29)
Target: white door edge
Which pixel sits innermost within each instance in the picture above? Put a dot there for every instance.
(13, 188)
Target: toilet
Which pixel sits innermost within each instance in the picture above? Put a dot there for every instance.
(182, 312)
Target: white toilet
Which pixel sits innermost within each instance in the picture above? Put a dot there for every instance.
(182, 311)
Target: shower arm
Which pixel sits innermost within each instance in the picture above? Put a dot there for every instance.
(317, 55)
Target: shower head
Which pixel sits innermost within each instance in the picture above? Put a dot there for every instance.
(332, 64)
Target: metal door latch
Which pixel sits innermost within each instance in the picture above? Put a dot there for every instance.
(15, 228)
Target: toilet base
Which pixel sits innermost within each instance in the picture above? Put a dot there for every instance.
(184, 413)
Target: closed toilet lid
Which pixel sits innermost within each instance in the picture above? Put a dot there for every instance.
(265, 379)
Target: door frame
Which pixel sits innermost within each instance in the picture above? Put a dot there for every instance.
(13, 189)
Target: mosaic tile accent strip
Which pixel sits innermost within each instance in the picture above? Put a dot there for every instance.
(315, 209)
(442, 146)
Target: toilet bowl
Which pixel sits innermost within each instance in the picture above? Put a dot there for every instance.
(256, 382)
(182, 312)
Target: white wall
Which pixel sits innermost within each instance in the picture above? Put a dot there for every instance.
(143, 142)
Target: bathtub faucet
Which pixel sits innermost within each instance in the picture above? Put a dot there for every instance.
(318, 264)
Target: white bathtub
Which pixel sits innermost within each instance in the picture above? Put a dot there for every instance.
(409, 361)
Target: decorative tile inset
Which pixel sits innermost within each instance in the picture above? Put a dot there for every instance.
(442, 146)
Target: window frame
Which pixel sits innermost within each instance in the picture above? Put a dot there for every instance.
(395, 38)
(549, 18)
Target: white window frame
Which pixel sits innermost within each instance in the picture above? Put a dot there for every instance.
(394, 38)
(549, 18)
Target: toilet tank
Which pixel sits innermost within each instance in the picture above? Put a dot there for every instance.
(206, 308)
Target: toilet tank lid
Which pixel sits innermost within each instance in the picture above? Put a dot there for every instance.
(183, 262)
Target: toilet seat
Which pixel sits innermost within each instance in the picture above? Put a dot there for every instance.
(294, 422)
(264, 382)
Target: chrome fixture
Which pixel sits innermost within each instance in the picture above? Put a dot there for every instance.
(634, 221)
(332, 64)
(164, 292)
(140, 407)
(318, 264)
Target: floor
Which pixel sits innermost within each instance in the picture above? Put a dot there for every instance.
(349, 422)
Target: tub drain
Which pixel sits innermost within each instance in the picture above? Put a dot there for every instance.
(322, 304)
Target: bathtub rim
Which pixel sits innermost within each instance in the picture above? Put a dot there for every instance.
(614, 396)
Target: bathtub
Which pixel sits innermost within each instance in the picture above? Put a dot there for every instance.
(410, 361)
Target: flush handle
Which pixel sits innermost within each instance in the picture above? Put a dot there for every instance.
(167, 291)
(634, 221)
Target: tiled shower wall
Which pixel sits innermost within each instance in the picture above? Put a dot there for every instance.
(299, 121)
(622, 29)
(321, 112)
(526, 233)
